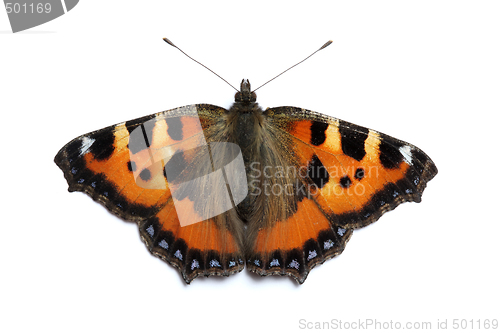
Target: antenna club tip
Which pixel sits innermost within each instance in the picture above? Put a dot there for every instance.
(326, 44)
(168, 41)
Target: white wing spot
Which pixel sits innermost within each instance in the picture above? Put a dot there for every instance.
(328, 244)
(294, 264)
(214, 263)
(86, 143)
(341, 232)
(178, 254)
(164, 244)
(406, 152)
(194, 264)
(312, 254)
(151, 230)
(274, 262)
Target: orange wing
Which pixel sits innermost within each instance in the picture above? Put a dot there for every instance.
(123, 167)
(346, 177)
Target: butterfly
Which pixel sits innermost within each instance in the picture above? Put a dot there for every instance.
(214, 190)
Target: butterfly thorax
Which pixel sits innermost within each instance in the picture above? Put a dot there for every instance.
(245, 118)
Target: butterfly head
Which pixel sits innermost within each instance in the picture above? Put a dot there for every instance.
(245, 95)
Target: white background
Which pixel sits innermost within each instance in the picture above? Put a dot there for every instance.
(427, 72)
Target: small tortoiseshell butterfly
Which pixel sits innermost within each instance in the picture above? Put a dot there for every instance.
(307, 181)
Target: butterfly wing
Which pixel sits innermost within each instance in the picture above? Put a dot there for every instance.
(346, 177)
(139, 170)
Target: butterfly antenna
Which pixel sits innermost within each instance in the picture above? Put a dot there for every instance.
(321, 48)
(169, 42)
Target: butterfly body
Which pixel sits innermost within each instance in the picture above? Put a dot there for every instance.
(305, 182)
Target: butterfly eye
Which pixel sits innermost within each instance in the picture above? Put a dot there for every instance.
(253, 97)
